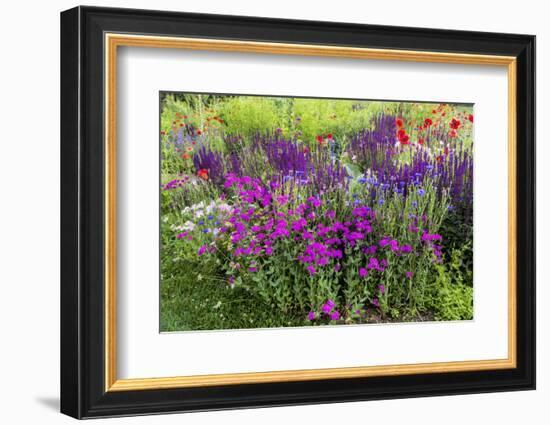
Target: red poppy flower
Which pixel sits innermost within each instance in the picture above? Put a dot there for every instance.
(329, 136)
(319, 139)
(453, 133)
(203, 173)
(162, 133)
(471, 118)
(199, 132)
(446, 150)
(454, 124)
(186, 156)
(185, 117)
(421, 141)
(443, 114)
(404, 140)
(428, 122)
(401, 133)
(181, 125)
(439, 158)
(434, 111)
(399, 122)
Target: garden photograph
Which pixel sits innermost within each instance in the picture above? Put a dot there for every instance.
(299, 212)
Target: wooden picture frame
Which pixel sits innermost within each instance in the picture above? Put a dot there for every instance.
(90, 39)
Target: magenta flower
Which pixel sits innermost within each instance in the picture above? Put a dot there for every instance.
(384, 242)
(327, 307)
(323, 261)
(316, 203)
(299, 224)
(362, 272)
(335, 315)
(360, 211)
(330, 214)
(310, 269)
(427, 237)
(202, 250)
(382, 288)
(282, 199)
(311, 316)
(406, 249)
(376, 303)
(409, 275)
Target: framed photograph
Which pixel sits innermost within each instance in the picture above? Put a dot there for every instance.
(261, 212)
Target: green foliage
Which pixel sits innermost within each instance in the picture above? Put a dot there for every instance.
(451, 298)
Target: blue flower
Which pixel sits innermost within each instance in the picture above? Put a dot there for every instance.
(421, 192)
(381, 202)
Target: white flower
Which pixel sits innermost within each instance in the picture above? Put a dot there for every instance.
(224, 207)
(188, 225)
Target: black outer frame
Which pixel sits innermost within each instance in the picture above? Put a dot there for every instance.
(82, 207)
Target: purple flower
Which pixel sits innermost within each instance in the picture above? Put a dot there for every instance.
(311, 316)
(323, 261)
(382, 288)
(376, 303)
(384, 242)
(427, 237)
(252, 269)
(282, 199)
(310, 269)
(362, 272)
(315, 202)
(409, 275)
(202, 250)
(299, 224)
(327, 307)
(406, 249)
(360, 211)
(335, 315)
(330, 214)
(412, 228)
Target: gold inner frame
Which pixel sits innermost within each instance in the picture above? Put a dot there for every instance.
(113, 41)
